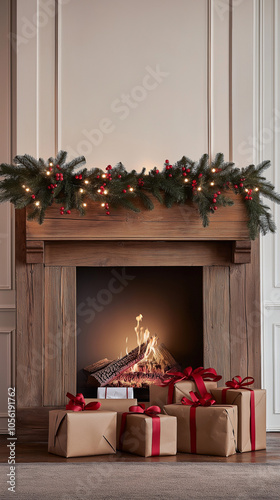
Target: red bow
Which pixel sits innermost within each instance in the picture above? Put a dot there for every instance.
(239, 383)
(199, 375)
(77, 403)
(196, 401)
(152, 412)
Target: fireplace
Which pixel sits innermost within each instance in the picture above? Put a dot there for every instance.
(108, 301)
(50, 258)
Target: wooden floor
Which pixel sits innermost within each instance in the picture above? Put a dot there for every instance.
(38, 452)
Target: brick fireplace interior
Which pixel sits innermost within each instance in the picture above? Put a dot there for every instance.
(108, 301)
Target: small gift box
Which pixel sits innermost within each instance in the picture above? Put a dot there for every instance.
(81, 430)
(115, 393)
(204, 427)
(146, 432)
(175, 385)
(251, 405)
(119, 405)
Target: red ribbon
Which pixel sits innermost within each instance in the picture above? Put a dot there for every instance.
(239, 383)
(199, 375)
(77, 403)
(152, 412)
(196, 401)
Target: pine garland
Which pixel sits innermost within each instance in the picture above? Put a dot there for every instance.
(39, 184)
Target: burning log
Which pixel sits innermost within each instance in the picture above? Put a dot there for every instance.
(105, 375)
(94, 367)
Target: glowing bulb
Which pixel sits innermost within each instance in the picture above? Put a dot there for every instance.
(23, 186)
(99, 190)
(86, 182)
(27, 189)
(51, 164)
(48, 173)
(81, 190)
(213, 170)
(84, 204)
(131, 189)
(37, 203)
(199, 188)
(212, 183)
(105, 191)
(256, 189)
(103, 205)
(103, 175)
(246, 190)
(186, 180)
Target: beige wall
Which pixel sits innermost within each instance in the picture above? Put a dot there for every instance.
(73, 69)
(7, 281)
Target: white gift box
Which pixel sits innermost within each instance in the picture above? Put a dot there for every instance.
(115, 393)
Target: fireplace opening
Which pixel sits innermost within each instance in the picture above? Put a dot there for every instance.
(115, 308)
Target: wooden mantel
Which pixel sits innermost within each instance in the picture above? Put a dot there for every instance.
(178, 224)
(46, 260)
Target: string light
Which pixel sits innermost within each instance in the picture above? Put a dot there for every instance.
(86, 181)
(103, 175)
(23, 186)
(37, 203)
(105, 191)
(213, 170)
(199, 188)
(212, 183)
(50, 164)
(246, 190)
(103, 205)
(131, 189)
(256, 189)
(84, 204)
(99, 190)
(81, 190)
(27, 189)
(186, 180)
(48, 172)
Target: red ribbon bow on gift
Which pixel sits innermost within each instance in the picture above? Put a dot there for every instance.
(77, 403)
(242, 383)
(206, 400)
(153, 412)
(199, 375)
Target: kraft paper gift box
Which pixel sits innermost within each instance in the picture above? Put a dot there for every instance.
(214, 432)
(159, 395)
(138, 437)
(115, 393)
(119, 405)
(246, 417)
(82, 433)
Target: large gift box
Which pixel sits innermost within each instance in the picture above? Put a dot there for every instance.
(146, 432)
(176, 385)
(82, 433)
(251, 412)
(205, 430)
(115, 393)
(119, 405)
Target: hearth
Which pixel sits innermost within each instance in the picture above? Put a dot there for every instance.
(135, 323)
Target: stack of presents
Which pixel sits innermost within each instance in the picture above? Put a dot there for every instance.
(187, 413)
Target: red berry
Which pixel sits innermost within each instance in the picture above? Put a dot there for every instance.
(49, 187)
(76, 177)
(157, 171)
(109, 167)
(50, 169)
(241, 185)
(62, 208)
(218, 193)
(200, 175)
(246, 197)
(170, 175)
(98, 176)
(128, 186)
(33, 197)
(52, 186)
(80, 177)
(167, 161)
(55, 185)
(215, 195)
(250, 198)
(124, 190)
(235, 186)
(108, 213)
(119, 176)
(52, 191)
(184, 174)
(215, 208)
(188, 170)
(68, 212)
(106, 205)
(61, 212)
(214, 200)
(183, 169)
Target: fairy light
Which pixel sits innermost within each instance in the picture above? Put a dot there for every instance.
(213, 170)
(50, 164)
(199, 188)
(212, 183)
(256, 189)
(27, 189)
(37, 203)
(131, 189)
(105, 191)
(48, 172)
(86, 181)
(81, 190)
(102, 205)
(23, 186)
(186, 180)
(84, 204)
(246, 190)
(99, 190)
(104, 176)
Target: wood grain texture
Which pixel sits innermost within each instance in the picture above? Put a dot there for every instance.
(238, 321)
(137, 253)
(34, 252)
(60, 334)
(216, 336)
(241, 252)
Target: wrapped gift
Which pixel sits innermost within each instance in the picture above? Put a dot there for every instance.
(204, 427)
(119, 405)
(82, 433)
(175, 385)
(251, 405)
(146, 432)
(115, 393)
